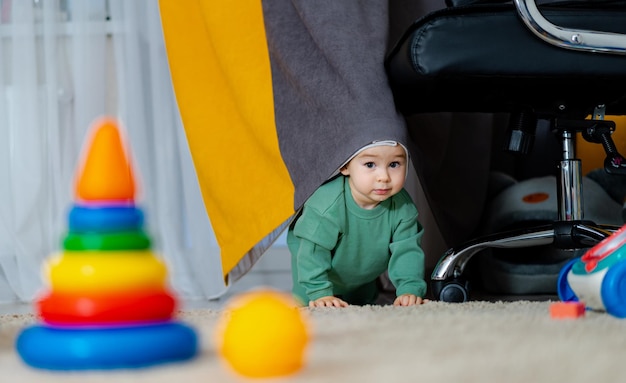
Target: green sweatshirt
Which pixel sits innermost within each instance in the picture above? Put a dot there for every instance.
(338, 248)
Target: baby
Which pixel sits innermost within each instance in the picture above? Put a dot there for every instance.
(355, 227)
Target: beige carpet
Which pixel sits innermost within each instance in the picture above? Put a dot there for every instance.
(437, 342)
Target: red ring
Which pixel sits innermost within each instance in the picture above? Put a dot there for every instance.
(105, 309)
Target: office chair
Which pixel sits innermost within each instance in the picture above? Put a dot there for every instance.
(561, 62)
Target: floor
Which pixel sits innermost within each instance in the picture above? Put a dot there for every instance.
(24, 308)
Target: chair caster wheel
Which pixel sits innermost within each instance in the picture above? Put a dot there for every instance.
(455, 290)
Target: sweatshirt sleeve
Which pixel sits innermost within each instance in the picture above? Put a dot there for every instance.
(317, 236)
(313, 263)
(406, 266)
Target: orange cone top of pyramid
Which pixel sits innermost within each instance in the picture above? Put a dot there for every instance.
(105, 172)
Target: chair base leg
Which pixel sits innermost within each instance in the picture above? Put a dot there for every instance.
(447, 280)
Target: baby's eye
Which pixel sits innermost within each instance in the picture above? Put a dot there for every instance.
(395, 164)
(370, 164)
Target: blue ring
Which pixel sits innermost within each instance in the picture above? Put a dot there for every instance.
(54, 348)
(105, 218)
(564, 290)
(613, 290)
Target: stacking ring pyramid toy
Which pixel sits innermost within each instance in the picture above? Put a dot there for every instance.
(106, 304)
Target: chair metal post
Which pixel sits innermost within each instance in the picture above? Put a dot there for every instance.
(570, 183)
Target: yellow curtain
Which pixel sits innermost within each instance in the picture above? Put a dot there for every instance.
(220, 70)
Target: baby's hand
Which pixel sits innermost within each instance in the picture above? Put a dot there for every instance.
(409, 300)
(329, 301)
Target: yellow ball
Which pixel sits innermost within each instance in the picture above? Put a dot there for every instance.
(262, 334)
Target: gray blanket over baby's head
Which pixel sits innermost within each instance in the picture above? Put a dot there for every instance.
(331, 93)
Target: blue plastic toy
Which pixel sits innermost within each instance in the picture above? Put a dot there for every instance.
(598, 278)
(58, 348)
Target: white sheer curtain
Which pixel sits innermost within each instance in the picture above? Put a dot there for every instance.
(64, 63)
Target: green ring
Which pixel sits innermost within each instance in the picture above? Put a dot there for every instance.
(126, 240)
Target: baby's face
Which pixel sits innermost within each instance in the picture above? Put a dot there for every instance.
(376, 174)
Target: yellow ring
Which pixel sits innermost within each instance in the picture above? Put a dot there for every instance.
(104, 271)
